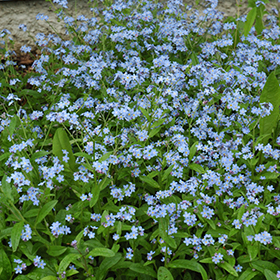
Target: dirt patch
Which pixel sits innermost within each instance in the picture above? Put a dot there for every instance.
(15, 13)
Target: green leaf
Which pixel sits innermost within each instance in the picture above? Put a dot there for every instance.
(7, 189)
(33, 93)
(194, 59)
(84, 155)
(240, 212)
(248, 274)
(14, 122)
(104, 252)
(196, 168)
(153, 174)
(150, 181)
(268, 175)
(206, 260)
(50, 277)
(72, 272)
(163, 227)
(193, 150)
(15, 235)
(259, 21)
(211, 223)
(4, 156)
(55, 250)
(189, 265)
(137, 267)
(46, 209)
(253, 251)
(61, 142)
(167, 172)
(164, 274)
(66, 261)
(22, 277)
(106, 264)
(262, 265)
(228, 268)
(145, 113)
(39, 155)
(154, 132)
(31, 213)
(269, 275)
(6, 265)
(95, 190)
(105, 182)
(106, 156)
(250, 21)
(158, 123)
(270, 93)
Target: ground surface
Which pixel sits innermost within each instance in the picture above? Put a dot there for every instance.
(14, 13)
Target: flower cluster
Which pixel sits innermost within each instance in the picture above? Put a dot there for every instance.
(155, 137)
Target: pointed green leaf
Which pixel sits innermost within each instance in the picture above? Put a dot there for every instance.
(106, 264)
(206, 260)
(31, 213)
(104, 252)
(269, 275)
(46, 209)
(262, 265)
(61, 142)
(50, 277)
(153, 174)
(4, 156)
(196, 168)
(259, 26)
(39, 155)
(253, 250)
(163, 227)
(154, 132)
(248, 274)
(211, 223)
(164, 274)
(251, 16)
(22, 277)
(95, 190)
(55, 250)
(66, 261)
(137, 267)
(158, 123)
(268, 175)
(15, 235)
(271, 94)
(14, 122)
(106, 156)
(190, 265)
(194, 59)
(6, 188)
(193, 150)
(105, 182)
(6, 265)
(228, 268)
(167, 172)
(145, 113)
(84, 155)
(150, 181)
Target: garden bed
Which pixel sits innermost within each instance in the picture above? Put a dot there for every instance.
(146, 146)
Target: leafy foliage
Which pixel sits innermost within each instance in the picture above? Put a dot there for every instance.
(144, 147)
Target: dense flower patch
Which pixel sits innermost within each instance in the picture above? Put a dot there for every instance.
(146, 146)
